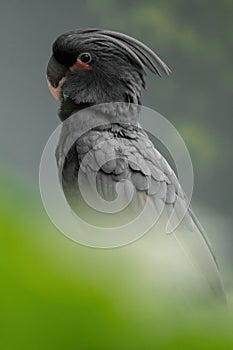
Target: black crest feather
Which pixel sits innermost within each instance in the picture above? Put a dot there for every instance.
(139, 53)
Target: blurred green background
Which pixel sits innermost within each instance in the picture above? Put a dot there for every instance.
(55, 294)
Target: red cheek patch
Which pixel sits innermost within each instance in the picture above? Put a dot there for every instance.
(79, 65)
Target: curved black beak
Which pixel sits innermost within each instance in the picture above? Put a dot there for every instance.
(56, 73)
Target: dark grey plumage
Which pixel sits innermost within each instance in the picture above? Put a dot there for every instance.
(104, 82)
(119, 150)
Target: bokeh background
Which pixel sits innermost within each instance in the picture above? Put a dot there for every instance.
(55, 294)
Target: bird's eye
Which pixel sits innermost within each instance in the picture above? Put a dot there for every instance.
(85, 57)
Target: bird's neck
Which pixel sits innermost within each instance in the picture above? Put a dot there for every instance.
(117, 91)
(69, 107)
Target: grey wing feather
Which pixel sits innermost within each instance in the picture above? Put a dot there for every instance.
(112, 160)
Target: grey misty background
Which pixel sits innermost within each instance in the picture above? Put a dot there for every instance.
(193, 37)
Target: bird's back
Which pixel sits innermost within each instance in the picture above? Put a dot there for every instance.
(118, 162)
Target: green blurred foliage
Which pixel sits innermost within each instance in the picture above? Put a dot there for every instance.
(56, 294)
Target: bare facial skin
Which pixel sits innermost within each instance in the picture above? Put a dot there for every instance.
(56, 92)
